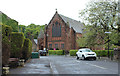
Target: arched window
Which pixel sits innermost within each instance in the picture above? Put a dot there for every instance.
(56, 30)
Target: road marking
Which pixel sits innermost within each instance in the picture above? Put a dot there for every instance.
(96, 66)
(54, 70)
(77, 61)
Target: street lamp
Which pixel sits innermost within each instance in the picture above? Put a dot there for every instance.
(108, 42)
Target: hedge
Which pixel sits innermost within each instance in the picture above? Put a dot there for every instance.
(27, 49)
(55, 52)
(6, 31)
(17, 41)
(10, 22)
(73, 52)
(103, 53)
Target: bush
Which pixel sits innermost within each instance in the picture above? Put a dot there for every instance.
(73, 52)
(27, 49)
(59, 52)
(6, 31)
(55, 52)
(103, 53)
(17, 41)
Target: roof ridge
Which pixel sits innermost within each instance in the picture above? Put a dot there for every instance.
(69, 18)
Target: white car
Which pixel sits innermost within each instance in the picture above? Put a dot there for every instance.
(86, 53)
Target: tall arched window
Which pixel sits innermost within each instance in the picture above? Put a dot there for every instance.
(56, 30)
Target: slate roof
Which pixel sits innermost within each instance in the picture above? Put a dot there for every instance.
(41, 34)
(77, 26)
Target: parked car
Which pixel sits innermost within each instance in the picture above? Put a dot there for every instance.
(42, 52)
(86, 53)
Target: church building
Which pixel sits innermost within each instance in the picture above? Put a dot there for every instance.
(60, 33)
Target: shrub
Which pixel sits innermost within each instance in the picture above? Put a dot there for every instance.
(17, 40)
(103, 53)
(55, 52)
(27, 49)
(59, 52)
(73, 52)
(6, 31)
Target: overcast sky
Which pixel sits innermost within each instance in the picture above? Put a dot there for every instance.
(40, 12)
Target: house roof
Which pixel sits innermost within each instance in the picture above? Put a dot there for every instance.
(41, 34)
(77, 25)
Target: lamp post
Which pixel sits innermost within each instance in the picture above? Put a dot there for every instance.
(108, 43)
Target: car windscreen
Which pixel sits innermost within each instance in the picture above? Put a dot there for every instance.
(86, 50)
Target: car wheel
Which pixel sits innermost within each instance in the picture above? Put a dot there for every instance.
(83, 57)
(77, 57)
(95, 58)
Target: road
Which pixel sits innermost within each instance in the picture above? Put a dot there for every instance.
(69, 65)
(66, 65)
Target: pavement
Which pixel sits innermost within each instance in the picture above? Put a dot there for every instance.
(34, 66)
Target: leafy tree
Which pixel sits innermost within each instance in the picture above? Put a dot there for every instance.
(22, 28)
(33, 30)
(100, 17)
(104, 14)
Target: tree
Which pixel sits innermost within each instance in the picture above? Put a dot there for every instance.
(22, 28)
(100, 17)
(33, 30)
(104, 14)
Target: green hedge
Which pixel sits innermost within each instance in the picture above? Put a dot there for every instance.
(17, 41)
(27, 49)
(103, 53)
(6, 31)
(8, 21)
(55, 52)
(73, 52)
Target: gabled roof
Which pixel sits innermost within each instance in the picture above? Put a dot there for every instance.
(77, 26)
(41, 34)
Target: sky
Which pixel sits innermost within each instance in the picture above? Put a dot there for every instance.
(40, 12)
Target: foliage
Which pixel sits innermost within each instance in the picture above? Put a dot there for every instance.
(8, 21)
(22, 28)
(6, 31)
(27, 49)
(17, 40)
(103, 53)
(33, 30)
(99, 17)
(73, 52)
(92, 36)
(55, 52)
